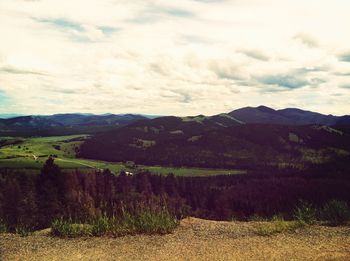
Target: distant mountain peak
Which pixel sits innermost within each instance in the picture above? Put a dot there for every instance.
(289, 116)
(265, 109)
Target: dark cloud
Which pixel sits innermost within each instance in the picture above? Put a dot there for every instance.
(70, 26)
(230, 74)
(177, 12)
(108, 29)
(197, 39)
(186, 98)
(322, 68)
(68, 91)
(224, 70)
(154, 13)
(160, 68)
(210, 1)
(143, 19)
(255, 54)
(61, 23)
(284, 81)
(51, 88)
(307, 39)
(345, 57)
(179, 95)
(337, 94)
(316, 81)
(345, 86)
(13, 70)
(342, 74)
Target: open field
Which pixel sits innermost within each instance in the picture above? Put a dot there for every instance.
(194, 239)
(31, 153)
(192, 171)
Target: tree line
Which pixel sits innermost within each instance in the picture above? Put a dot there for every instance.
(35, 201)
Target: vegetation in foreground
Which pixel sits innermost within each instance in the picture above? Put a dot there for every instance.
(333, 213)
(278, 225)
(197, 239)
(143, 222)
(30, 202)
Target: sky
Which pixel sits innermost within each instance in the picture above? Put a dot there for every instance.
(183, 57)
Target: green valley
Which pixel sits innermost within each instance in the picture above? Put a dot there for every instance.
(31, 153)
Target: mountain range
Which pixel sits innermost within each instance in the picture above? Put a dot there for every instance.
(246, 115)
(62, 124)
(290, 116)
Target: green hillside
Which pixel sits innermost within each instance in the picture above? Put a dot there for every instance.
(197, 142)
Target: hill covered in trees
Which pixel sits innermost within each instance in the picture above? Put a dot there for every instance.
(79, 123)
(205, 142)
(289, 116)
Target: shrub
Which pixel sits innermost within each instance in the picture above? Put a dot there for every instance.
(3, 227)
(144, 222)
(336, 212)
(124, 225)
(161, 222)
(64, 228)
(257, 218)
(23, 230)
(277, 226)
(101, 225)
(306, 213)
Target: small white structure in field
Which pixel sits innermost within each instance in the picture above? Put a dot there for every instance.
(129, 173)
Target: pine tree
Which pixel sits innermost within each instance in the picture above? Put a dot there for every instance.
(50, 190)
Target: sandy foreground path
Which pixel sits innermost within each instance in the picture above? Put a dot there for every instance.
(194, 239)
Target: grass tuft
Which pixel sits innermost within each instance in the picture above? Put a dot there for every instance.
(155, 223)
(335, 212)
(277, 226)
(305, 213)
(23, 230)
(101, 225)
(3, 227)
(64, 228)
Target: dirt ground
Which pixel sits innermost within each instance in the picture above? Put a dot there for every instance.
(194, 239)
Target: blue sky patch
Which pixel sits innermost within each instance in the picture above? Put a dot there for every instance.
(4, 99)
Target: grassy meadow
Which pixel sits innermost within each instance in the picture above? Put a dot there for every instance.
(31, 153)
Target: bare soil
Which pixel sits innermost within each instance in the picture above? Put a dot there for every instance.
(194, 239)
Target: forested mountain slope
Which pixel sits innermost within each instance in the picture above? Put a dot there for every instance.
(183, 142)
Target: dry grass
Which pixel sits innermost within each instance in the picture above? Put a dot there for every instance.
(194, 239)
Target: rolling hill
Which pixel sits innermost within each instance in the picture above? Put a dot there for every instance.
(249, 137)
(64, 124)
(289, 116)
(220, 141)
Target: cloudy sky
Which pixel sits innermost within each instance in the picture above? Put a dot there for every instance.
(182, 57)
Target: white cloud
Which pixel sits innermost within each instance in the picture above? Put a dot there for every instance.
(180, 57)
